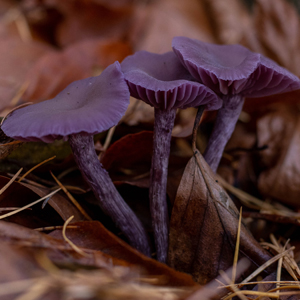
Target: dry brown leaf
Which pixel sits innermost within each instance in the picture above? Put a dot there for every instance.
(90, 19)
(277, 27)
(36, 216)
(80, 60)
(279, 130)
(93, 235)
(229, 19)
(130, 152)
(159, 21)
(204, 224)
(16, 59)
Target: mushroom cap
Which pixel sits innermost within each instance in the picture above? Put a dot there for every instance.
(233, 69)
(162, 81)
(87, 106)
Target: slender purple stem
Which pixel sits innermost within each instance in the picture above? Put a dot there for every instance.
(104, 190)
(223, 129)
(163, 125)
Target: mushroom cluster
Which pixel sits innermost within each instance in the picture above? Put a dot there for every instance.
(234, 73)
(194, 74)
(164, 83)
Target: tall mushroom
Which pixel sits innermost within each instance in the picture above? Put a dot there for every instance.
(233, 72)
(162, 82)
(82, 109)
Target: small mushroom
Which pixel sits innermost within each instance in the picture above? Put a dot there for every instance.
(82, 109)
(233, 72)
(161, 81)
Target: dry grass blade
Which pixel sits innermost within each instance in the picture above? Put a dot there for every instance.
(73, 200)
(17, 286)
(237, 247)
(232, 286)
(11, 143)
(255, 203)
(281, 283)
(54, 228)
(107, 141)
(288, 260)
(77, 249)
(261, 294)
(33, 168)
(19, 93)
(10, 182)
(36, 290)
(267, 264)
(15, 108)
(29, 205)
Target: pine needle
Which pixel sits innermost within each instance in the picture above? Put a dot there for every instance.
(75, 248)
(10, 182)
(267, 264)
(237, 247)
(73, 200)
(33, 168)
(15, 108)
(28, 205)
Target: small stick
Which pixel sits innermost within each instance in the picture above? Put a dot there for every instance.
(196, 126)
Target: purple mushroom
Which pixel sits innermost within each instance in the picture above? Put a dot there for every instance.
(82, 109)
(162, 82)
(233, 72)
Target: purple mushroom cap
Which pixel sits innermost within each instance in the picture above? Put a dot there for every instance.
(233, 69)
(162, 81)
(89, 106)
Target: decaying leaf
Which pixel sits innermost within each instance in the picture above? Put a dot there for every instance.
(82, 59)
(131, 152)
(277, 27)
(204, 224)
(161, 20)
(16, 58)
(36, 216)
(229, 19)
(89, 19)
(93, 235)
(279, 130)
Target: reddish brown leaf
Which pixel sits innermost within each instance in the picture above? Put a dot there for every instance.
(80, 60)
(203, 226)
(277, 30)
(59, 203)
(230, 20)
(159, 21)
(19, 195)
(279, 130)
(133, 151)
(16, 58)
(93, 235)
(89, 19)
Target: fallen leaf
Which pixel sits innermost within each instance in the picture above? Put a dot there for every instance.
(132, 152)
(47, 77)
(16, 59)
(90, 19)
(229, 19)
(280, 176)
(277, 27)
(159, 21)
(57, 210)
(93, 235)
(204, 224)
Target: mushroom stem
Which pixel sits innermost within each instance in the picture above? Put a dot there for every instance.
(163, 125)
(226, 120)
(106, 193)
